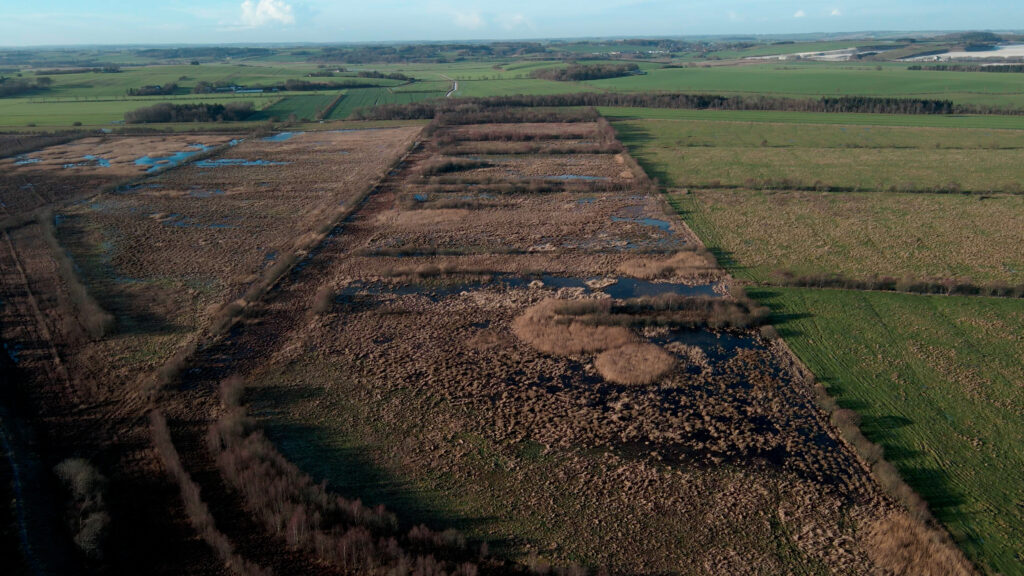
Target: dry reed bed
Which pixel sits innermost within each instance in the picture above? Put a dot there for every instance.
(467, 365)
(120, 151)
(526, 223)
(727, 445)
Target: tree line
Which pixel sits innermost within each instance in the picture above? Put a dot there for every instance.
(840, 104)
(969, 68)
(165, 112)
(581, 72)
(19, 86)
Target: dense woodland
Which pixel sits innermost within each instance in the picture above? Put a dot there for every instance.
(164, 112)
(581, 72)
(21, 86)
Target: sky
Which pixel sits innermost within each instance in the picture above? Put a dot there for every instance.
(66, 22)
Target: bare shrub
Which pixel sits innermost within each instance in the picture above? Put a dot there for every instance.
(197, 510)
(901, 546)
(90, 520)
(672, 310)
(450, 165)
(345, 533)
(323, 301)
(634, 364)
(545, 327)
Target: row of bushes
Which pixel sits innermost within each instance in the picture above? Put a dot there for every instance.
(458, 111)
(96, 321)
(679, 100)
(20, 86)
(166, 112)
(948, 286)
(667, 310)
(581, 72)
(345, 533)
(198, 512)
(969, 68)
(161, 90)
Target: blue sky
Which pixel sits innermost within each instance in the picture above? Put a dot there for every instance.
(47, 22)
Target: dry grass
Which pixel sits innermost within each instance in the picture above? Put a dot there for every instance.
(634, 364)
(863, 235)
(900, 546)
(545, 329)
(682, 263)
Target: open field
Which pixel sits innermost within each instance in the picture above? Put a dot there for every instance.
(936, 380)
(358, 98)
(823, 79)
(862, 235)
(821, 118)
(693, 153)
(22, 112)
(916, 368)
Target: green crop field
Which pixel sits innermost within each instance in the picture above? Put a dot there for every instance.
(22, 112)
(735, 154)
(937, 380)
(862, 235)
(909, 120)
(370, 97)
(301, 106)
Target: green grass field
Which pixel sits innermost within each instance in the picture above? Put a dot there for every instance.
(862, 235)
(18, 113)
(301, 106)
(694, 153)
(937, 380)
(816, 79)
(797, 118)
(370, 97)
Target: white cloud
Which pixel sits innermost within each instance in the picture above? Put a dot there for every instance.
(263, 12)
(799, 14)
(513, 21)
(471, 20)
(734, 16)
(837, 12)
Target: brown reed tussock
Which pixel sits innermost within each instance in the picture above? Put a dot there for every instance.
(901, 546)
(547, 329)
(634, 364)
(683, 263)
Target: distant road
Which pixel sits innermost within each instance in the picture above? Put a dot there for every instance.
(455, 86)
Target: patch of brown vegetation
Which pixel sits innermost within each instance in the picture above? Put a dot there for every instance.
(544, 328)
(901, 546)
(683, 263)
(634, 364)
